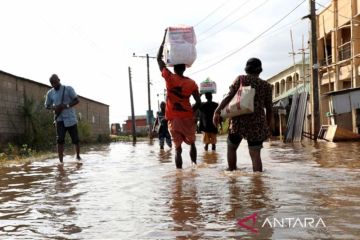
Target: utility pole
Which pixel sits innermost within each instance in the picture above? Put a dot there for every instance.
(294, 64)
(132, 109)
(315, 116)
(149, 114)
(303, 61)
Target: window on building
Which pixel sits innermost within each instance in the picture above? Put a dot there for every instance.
(326, 55)
(345, 47)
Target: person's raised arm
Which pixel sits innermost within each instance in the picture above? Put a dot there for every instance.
(161, 63)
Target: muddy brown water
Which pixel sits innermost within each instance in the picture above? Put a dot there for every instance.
(125, 191)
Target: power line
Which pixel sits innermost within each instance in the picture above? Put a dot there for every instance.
(224, 18)
(241, 17)
(206, 17)
(282, 28)
(257, 37)
(212, 12)
(269, 34)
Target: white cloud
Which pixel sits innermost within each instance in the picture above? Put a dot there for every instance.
(89, 43)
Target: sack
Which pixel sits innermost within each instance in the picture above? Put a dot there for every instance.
(207, 86)
(179, 46)
(242, 103)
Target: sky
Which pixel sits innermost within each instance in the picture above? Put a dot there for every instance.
(90, 43)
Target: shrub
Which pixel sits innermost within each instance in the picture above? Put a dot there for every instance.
(84, 131)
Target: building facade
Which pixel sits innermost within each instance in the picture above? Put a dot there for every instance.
(284, 85)
(338, 41)
(141, 126)
(15, 90)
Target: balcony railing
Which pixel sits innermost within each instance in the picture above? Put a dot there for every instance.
(345, 51)
(323, 62)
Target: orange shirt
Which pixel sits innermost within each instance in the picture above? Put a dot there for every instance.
(179, 90)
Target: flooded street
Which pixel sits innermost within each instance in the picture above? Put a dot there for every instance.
(125, 191)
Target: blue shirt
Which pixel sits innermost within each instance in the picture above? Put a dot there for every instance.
(53, 98)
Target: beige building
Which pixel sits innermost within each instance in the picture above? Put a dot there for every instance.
(338, 40)
(284, 85)
(13, 92)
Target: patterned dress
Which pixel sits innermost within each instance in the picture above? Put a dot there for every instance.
(252, 127)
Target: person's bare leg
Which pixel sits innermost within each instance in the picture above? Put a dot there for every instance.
(206, 147)
(256, 159)
(77, 150)
(231, 157)
(178, 158)
(60, 149)
(193, 153)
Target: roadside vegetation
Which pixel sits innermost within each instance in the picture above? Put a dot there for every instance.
(39, 135)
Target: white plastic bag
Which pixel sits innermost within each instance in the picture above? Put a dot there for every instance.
(242, 102)
(179, 47)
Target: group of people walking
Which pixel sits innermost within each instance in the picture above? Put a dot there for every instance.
(179, 113)
(176, 118)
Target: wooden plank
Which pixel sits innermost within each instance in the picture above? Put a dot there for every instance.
(335, 133)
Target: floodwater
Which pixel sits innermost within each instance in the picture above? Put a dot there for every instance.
(126, 191)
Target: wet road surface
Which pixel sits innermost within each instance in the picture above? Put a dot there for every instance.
(125, 191)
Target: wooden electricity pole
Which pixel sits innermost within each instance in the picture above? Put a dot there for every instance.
(133, 122)
(149, 114)
(315, 101)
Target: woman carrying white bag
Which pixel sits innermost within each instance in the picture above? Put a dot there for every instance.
(252, 125)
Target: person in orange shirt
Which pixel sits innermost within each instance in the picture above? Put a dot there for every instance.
(179, 112)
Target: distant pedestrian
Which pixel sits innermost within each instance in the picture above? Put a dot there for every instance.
(179, 112)
(206, 125)
(162, 125)
(61, 99)
(255, 126)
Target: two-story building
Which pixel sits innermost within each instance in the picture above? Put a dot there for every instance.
(338, 41)
(284, 85)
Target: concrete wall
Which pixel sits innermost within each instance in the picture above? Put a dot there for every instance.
(14, 89)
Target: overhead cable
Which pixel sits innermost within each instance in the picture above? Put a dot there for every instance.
(224, 18)
(247, 44)
(212, 12)
(241, 17)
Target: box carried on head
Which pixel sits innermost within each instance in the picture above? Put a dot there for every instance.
(179, 47)
(207, 86)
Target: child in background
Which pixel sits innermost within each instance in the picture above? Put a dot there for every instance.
(162, 125)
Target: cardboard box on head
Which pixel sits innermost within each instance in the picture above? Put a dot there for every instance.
(179, 47)
(207, 86)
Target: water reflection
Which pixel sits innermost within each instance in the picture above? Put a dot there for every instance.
(65, 199)
(125, 191)
(210, 157)
(165, 156)
(43, 194)
(184, 206)
(249, 198)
